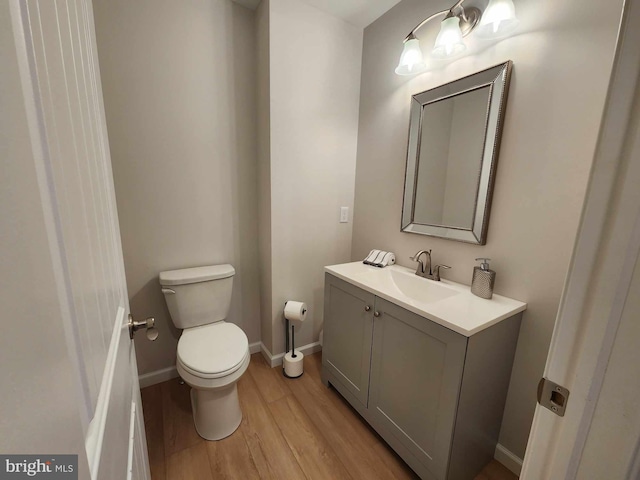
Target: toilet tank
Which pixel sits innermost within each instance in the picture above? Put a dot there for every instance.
(198, 296)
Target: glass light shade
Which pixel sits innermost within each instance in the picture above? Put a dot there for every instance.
(498, 19)
(411, 60)
(449, 41)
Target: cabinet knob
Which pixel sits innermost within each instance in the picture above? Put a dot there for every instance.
(367, 308)
(376, 314)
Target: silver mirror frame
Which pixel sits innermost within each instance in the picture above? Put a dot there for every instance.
(497, 79)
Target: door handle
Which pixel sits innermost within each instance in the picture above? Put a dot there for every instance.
(148, 324)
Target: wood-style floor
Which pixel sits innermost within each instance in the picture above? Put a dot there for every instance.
(291, 429)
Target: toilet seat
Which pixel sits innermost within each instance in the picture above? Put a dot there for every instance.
(213, 351)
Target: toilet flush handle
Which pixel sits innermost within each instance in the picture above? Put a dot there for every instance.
(168, 291)
(149, 324)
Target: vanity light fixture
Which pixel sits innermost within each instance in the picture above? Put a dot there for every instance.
(449, 40)
(498, 19)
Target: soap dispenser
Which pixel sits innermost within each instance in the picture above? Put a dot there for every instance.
(483, 279)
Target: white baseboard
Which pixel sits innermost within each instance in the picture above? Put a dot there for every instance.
(508, 459)
(254, 347)
(164, 374)
(275, 360)
(159, 376)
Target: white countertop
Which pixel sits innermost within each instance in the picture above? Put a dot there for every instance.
(447, 303)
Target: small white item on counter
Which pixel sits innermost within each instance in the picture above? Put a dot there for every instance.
(380, 258)
(373, 254)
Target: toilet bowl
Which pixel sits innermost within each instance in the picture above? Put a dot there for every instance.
(212, 354)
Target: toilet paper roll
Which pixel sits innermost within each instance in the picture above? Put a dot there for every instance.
(296, 311)
(293, 366)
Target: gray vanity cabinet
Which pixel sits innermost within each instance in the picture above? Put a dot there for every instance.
(347, 338)
(434, 395)
(416, 370)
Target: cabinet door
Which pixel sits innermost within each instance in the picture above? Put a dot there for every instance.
(348, 326)
(416, 371)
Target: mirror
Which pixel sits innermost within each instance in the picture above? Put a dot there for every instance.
(454, 138)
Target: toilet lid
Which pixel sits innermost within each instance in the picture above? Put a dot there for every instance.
(213, 350)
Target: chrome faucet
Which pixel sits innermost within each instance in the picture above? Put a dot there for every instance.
(424, 269)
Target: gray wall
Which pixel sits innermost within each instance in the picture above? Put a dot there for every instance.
(562, 56)
(264, 172)
(314, 82)
(179, 90)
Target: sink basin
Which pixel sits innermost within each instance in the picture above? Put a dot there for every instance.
(407, 284)
(420, 289)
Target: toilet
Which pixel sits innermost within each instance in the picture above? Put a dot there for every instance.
(212, 354)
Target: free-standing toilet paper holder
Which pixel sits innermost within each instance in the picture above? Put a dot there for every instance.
(292, 361)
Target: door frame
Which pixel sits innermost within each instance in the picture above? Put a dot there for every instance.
(607, 244)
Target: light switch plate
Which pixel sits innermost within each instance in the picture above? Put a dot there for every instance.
(344, 214)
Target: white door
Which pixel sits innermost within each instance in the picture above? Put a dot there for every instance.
(60, 235)
(594, 349)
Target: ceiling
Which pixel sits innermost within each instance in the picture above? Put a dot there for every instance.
(357, 12)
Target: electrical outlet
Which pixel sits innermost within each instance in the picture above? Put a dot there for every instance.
(344, 214)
